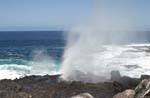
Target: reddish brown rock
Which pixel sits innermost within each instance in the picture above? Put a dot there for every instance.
(125, 94)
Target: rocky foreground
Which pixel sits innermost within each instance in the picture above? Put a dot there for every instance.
(54, 87)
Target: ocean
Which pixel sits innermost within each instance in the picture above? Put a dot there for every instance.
(25, 53)
(30, 53)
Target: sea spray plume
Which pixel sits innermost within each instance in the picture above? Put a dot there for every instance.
(86, 58)
(42, 63)
(89, 55)
(79, 58)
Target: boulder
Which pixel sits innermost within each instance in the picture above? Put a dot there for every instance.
(142, 89)
(83, 95)
(145, 77)
(125, 81)
(125, 94)
(115, 75)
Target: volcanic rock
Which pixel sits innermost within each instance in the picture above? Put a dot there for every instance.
(52, 87)
(115, 76)
(143, 88)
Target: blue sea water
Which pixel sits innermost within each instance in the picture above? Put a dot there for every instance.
(30, 52)
(41, 52)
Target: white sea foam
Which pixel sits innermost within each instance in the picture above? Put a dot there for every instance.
(13, 71)
(9, 74)
(128, 59)
(41, 64)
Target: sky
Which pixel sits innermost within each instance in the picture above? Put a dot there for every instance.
(58, 14)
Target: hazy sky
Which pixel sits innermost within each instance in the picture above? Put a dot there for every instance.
(54, 14)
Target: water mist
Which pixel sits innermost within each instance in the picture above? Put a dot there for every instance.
(42, 63)
(93, 51)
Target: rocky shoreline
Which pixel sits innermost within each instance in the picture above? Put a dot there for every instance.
(53, 87)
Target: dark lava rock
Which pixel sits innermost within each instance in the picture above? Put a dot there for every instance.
(52, 87)
(126, 82)
(115, 76)
(9, 85)
(145, 77)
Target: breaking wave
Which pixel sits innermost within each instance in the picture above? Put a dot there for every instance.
(91, 55)
(40, 64)
(131, 60)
